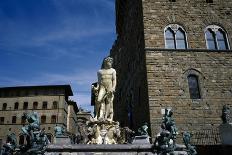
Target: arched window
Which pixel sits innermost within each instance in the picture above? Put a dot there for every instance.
(54, 105)
(16, 105)
(210, 39)
(25, 105)
(53, 119)
(35, 105)
(221, 40)
(45, 105)
(4, 106)
(14, 118)
(170, 38)
(180, 39)
(194, 89)
(43, 119)
(21, 139)
(216, 38)
(175, 37)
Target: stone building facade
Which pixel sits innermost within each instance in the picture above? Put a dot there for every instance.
(173, 54)
(51, 102)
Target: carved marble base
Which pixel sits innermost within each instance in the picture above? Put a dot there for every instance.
(141, 140)
(62, 140)
(104, 132)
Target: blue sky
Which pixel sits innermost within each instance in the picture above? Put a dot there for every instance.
(55, 42)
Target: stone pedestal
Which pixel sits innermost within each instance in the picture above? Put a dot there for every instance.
(104, 132)
(119, 149)
(62, 140)
(141, 140)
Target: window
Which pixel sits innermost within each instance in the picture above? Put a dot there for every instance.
(23, 120)
(43, 119)
(54, 105)
(2, 120)
(45, 105)
(170, 38)
(53, 119)
(13, 119)
(209, 1)
(4, 106)
(25, 105)
(216, 38)
(194, 87)
(35, 105)
(172, 0)
(21, 140)
(175, 37)
(16, 105)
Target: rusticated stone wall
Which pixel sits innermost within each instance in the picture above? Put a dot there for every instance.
(192, 15)
(167, 73)
(157, 77)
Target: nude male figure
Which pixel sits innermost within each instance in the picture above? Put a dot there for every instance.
(106, 89)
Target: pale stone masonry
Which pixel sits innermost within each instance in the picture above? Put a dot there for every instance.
(51, 101)
(151, 77)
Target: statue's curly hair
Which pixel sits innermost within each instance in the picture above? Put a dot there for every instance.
(107, 59)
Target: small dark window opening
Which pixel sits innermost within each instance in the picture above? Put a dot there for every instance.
(35, 105)
(45, 105)
(54, 106)
(4, 106)
(172, 0)
(53, 119)
(13, 119)
(16, 106)
(43, 119)
(194, 87)
(209, 1)
(2, 120)
(25, 105)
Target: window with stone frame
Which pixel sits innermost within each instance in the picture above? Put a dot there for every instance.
(16, 105)
(14, 118)
(194, 89)
(54, 105)
(45, 105)
(35, 105)
(25, 105)
(175, 37)
(43, 119)
(2, 119)
(53, 119)
(216, 38)
(4, 106)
